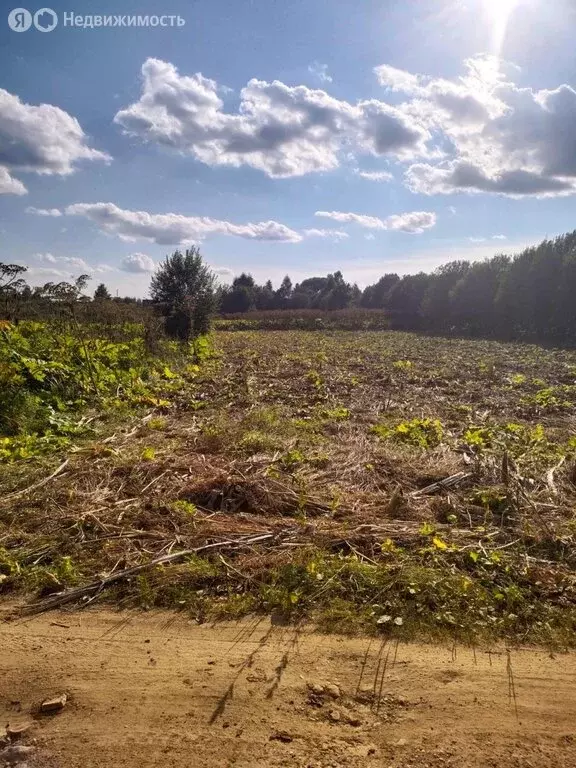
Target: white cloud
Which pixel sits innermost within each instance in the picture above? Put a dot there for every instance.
(495, 136)
(137, 262)
(44, 211)
(71, 263)
(370, 236)
(279, 129)
(414, 222)
(41, 139)
(175, 229)
(374, 175)
(370, 222)
(332, 234)
(75, 262)
(9, 185)
(320, 71)
(457, 176)
(397, 79)
(485, 239)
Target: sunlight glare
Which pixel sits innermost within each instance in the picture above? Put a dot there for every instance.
(499, 13)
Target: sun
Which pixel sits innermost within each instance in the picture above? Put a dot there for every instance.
(499, 13)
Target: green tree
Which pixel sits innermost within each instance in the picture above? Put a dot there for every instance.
(12, 287)
(436, 307)
(405, 301)
(283, 294)
(186, 289)
(102, 293)
(375, 296)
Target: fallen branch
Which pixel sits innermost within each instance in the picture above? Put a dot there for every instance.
(97, 586)
(441, 485)
(33, 487)
(550, 476)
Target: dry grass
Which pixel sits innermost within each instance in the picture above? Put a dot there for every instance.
(277, 437)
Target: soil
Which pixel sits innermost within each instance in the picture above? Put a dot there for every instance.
(157, 689)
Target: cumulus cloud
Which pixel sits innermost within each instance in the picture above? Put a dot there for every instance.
(137, 263)
(278, 129)
(175, 229)
(466, 177)
(320, 71)
(44, 211)
(494, 136)
(9, 185)
(374, 175)
(331, 234)
(414, 222)
(42, 139)
(71, 264)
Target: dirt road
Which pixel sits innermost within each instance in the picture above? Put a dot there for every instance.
(156, 690)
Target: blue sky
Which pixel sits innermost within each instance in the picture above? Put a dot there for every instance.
(298, 138)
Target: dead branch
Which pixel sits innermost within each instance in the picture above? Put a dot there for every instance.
(441, 485)
(550, 476)
(97, 586)
(24, 491)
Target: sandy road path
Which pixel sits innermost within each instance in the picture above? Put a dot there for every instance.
(156, 690)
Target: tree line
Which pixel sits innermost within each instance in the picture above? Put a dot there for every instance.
(528, 296)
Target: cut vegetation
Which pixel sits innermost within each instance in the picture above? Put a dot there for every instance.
(369, 481)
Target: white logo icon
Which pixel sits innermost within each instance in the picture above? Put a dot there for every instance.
(45, 20)
(19, 20)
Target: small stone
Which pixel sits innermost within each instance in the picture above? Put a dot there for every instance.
(282, 736)
(398, 621)
(316, 688)
(16, 753)
(332, 690)
(18, 730)
(54, 705)
(401, 743)
(355, 721)
(334, 715)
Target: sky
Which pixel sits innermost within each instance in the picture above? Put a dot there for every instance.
(293, 137)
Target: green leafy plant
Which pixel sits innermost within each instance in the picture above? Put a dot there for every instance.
(424, 433)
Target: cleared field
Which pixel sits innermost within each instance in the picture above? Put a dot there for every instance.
(374, 481)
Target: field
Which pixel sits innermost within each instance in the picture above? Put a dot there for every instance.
(369, 481)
